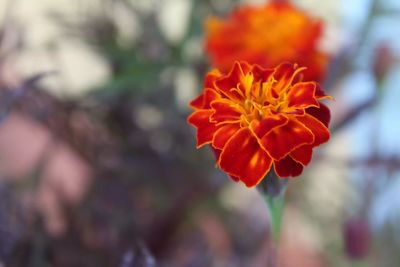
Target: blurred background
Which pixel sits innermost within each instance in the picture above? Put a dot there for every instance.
(98, 166)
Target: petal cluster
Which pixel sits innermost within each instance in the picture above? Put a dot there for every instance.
(256, 118)
(267, 35)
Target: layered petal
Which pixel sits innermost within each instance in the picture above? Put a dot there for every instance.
(229, 85)
(287, 167)
(243, 157)
(283, 75)
(282, 140)
(261, 73)
(302, 154)
(320, 94)
(261, 128)
(223, 134)
(302, 95)
(203, 101)
(322, 113)
(319, 130)
(224, 111)
(197, 103)
(211, 77)
(205, 129)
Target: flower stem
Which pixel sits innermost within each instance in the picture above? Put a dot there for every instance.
(273, 193)
(275, 207)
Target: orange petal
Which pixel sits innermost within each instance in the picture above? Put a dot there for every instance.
(284, 75)
(243, 157)
(320, 94)
(287, 167)
(321, 133)
(261, 73)
(322, 113)
(197, 103)
(209, 96)
(282, 140)
(301, 95)
(223, 134)
(224, 111)
(211, 77)
(232, 80)
(246, 67)
(302, 154)
(205, 129)
(261, 128)
(203, 101)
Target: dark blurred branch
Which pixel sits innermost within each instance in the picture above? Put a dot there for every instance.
(14, 95)
(353, 114)
(390, 163)
(63, 118)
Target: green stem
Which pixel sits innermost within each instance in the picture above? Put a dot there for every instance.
(272, 189)
(275, 207)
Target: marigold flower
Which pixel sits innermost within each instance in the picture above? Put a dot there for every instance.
(254, 118)
(266, 35)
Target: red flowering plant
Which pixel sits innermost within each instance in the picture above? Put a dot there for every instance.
(263, 117)
(256, 119)
(267, 35)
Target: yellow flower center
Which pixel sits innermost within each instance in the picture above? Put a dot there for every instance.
(259, 101)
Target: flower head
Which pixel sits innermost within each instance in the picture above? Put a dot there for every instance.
(266, 35)
(256, 118)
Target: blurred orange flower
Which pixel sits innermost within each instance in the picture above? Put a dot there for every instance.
(267, 35)
(254, 118)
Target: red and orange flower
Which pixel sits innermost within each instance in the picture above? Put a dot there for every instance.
(254, 118)
(267, 35)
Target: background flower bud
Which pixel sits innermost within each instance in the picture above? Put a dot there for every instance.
(383, 61)
(357, 238)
